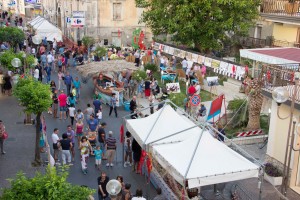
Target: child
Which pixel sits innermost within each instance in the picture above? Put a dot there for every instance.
(74, 92)
(72, 113)
(99, 116)
(98, 157)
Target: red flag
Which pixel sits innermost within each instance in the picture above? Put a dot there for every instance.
(142, 159)
(119, 33)
(122, 134)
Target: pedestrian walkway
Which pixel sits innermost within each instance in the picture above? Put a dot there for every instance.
(19, 146)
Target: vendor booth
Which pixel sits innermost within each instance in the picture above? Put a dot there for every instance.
(189, 152)
(105, 77)
(44, 28)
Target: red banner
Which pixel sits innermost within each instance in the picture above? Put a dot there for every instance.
(122, 134)
(142, 160)
(141, 40)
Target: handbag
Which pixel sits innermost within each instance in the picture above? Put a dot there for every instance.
(4, 135)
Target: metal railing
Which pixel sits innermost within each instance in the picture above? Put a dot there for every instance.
(240, 193)
(281, 7)
(261, 43)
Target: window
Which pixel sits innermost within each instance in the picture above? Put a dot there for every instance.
(117, 7)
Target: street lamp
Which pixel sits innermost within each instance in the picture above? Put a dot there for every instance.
(281, 95)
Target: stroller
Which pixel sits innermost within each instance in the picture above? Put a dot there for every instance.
(92, 137)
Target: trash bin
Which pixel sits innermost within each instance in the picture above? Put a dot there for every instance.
(127, 105)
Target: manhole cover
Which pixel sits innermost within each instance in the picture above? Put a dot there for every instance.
(10, 139)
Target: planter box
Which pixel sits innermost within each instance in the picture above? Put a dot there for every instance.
(273, 180)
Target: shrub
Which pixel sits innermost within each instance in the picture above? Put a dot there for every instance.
(52, 185)
(139, 75)
(177, 98)
(151, 67)
(271, 170)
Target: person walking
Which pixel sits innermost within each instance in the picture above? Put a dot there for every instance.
(55, 104)
(138, 195)
(137, 152)
(2, 132)
(68, 81)
(62, 99)
(1, 82)
(71, 136)
(98, 157)
(97, 105)
(102, 138)
(56, 144)
(111, 146)
(7, 84)
(102, 182)
(113, 105)
(85, 149)
(79, 130)
(50, 60)
(48, 70)
(77, 85)
(88, 111)
(66, 146)
(128, 149)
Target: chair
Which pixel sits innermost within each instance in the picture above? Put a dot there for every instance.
(167, 77)
(181, 75)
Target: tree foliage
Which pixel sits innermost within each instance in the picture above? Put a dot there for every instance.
(33, 95)
(12, 35)
(100, 52)
(88, 41)
(52, 185)
(201, 23)
(7, 56)
(139, 75)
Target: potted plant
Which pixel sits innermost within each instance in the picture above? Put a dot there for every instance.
(272, 174)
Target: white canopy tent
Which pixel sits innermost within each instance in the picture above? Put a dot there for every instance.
(187, 152)
(274, 56)
(44, 29)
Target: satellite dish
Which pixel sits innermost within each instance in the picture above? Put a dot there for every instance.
(36, 39)
(16, 62)
(113, 187)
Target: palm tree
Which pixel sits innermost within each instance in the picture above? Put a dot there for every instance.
(255, 104)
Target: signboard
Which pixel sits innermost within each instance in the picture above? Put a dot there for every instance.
(22, 7)
(173, 87)
(212, 81)
(78, 14)
(215, 63)
(31, 1)
(195, 100)
(68, 20)
(195, 58)
(77, 22)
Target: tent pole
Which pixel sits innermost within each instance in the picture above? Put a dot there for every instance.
(194, 153)
(154, 123)
(260, 183)
(174, 134)
(155, 104)
(123, 144)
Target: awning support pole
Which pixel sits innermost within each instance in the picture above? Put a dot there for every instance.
(194, 153)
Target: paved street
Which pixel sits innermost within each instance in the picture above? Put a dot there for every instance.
(19, 146)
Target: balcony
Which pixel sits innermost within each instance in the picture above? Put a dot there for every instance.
(284, 11)
(251, 42)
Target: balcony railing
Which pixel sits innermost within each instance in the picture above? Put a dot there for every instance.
(281, 7)
(251, 42)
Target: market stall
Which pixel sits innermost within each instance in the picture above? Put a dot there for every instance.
(190, 154)
(105, 77)
(44, 28)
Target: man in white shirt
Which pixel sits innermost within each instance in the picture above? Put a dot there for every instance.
(50, 59)
(33, 51)
(55, 140)
(184, 64)
(36, 74)
(54, 44)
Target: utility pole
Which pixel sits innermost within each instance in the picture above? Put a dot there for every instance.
(78, 30)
